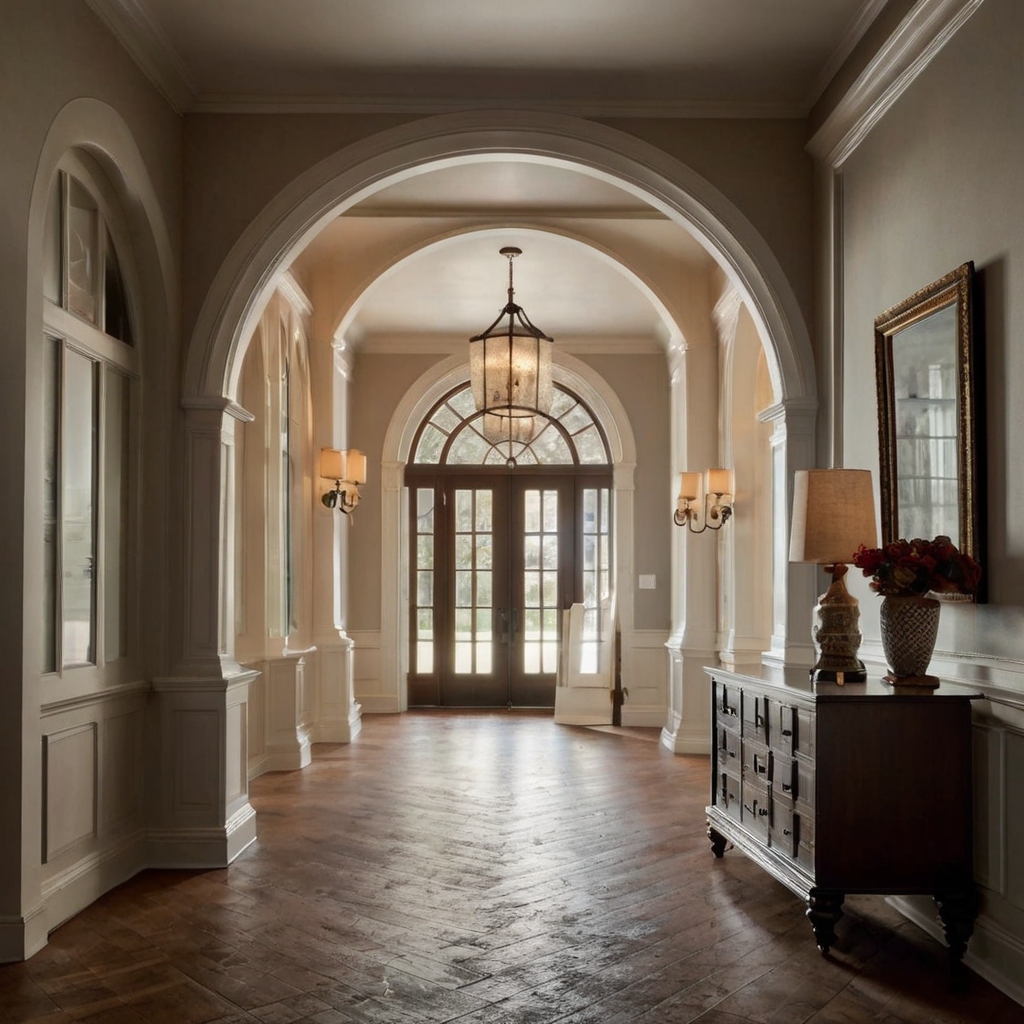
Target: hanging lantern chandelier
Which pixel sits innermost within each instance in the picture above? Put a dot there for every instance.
(510, 370)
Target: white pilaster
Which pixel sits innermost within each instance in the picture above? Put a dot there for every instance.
(694, 408)
(202, 816)
(793, 584)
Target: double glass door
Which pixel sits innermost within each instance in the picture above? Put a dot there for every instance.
(496, 559)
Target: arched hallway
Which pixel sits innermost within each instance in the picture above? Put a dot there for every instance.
(490, 869)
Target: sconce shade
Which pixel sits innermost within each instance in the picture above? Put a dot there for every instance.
(355, 466)
(833, 515)
(331, 464)
(718, 481)
(689, 486)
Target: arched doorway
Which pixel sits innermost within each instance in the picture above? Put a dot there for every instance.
(507, 528)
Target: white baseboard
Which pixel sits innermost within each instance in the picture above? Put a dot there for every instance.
(340, 730)
(687, 741)
(74, 888)
(287, 757)
(203, 847)
(22, 937)
(641, 716)
(993, 952)
(379, 703)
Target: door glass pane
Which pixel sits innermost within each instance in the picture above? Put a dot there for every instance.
(53, 246)
(115, 518)
(474, 613)
(424, 612)
(83, 252)
(596, 574)
(51, 483)
(79, 509)
(540, 588)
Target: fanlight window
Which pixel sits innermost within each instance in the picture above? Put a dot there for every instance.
(455, 434)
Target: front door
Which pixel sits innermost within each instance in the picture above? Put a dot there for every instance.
(496, 562)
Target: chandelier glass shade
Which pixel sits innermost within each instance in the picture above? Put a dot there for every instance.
(510, 369)
(498, 427)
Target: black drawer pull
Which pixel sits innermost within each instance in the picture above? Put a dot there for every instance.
(763, 812)
(729, 711)
(759, 720)
(787, 732)
(786, 832)
(786, 787)
(749, 810)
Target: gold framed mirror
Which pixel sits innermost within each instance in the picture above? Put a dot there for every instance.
(929, 462)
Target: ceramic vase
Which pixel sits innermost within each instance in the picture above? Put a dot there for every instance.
(910, 625)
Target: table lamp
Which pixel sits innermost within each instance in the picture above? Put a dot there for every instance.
(833, 515)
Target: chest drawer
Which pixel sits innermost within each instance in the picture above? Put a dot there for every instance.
(782, 727)
(755, 810)
(755, 717)
(727, 795)
(727, 703)
(728, 748)
(755, 761)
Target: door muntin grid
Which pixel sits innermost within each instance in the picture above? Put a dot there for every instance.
(538, 639)
(474, 581)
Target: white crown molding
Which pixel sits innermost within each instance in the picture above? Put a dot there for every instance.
(851, 37)
(918, 39)
(149, 47)
(443, 104)
(294, 295)
(448, 344)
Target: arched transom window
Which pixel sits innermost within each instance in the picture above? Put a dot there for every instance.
(455, 434)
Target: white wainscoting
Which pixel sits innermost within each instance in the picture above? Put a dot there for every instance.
(376, 695)
(94, 834)
(996, 950)
(645, 674)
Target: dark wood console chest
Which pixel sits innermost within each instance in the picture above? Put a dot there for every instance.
(862, 788)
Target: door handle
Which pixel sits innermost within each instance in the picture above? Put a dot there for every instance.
(515, 625)
(503, 620)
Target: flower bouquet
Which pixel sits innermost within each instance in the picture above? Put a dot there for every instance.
(910, 575)
(921, 567)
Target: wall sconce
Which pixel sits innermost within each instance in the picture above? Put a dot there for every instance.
(711, 513)
(348, 470)
(833, 515)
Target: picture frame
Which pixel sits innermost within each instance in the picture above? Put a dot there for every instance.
(929, 460)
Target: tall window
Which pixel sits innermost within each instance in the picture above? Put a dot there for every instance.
(89, 382)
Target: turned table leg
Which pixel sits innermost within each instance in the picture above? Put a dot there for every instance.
(823, 911)
(717, 841)
(957, 911)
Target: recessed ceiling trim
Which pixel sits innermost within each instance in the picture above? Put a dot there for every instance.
(149, 47)
(660, 108)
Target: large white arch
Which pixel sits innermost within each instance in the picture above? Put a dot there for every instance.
(297, 213)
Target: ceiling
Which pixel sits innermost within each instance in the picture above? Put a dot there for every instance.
(599, 58)
(739, 57)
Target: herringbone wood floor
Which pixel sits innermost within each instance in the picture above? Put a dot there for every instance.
(486, 868)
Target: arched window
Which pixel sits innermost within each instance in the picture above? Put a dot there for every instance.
(90, 390)
(455, 434)
(506, 532)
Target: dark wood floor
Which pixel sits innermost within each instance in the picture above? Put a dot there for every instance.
(485, 868)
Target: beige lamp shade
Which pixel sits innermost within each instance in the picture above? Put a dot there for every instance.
(331, 464)
(718, 481)
(355, 466)
(833, 515)
(689, 486)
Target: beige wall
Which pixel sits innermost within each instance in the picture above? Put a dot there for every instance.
(642, 385)
(378, 385)
(936, 183)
